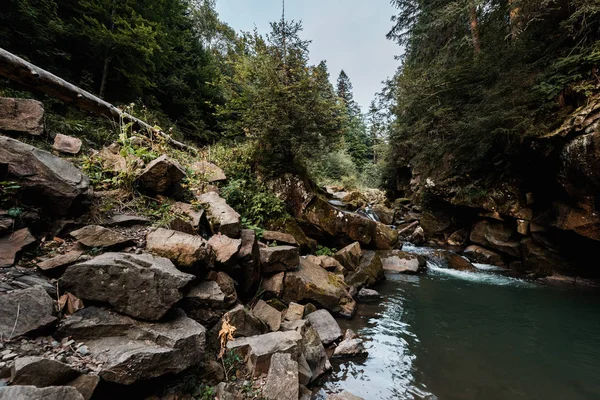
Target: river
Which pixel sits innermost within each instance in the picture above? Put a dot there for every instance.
(470, 336)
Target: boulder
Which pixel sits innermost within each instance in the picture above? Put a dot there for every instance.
(12, 244)
(454, 261)
(140, 285)
(349, 256)
(66, 144)
(127, 220)
(41, 372)
(61, 260)
(495, 235)
(267, 314)
(34, 308)
(33, 393)
(161, 175)
(246, 323)
(399, 262)
(355, 200)
(132, 350)
(258, 350)
(294, 191)
(385, 214)
(209, 171)
(349, 334)
(434, 223)
(294, 312)
(385, 237)
(542, 258)
(311, 283)
(189, 219)
(282, 379)
(418, 236)
(226, 249)
(279, 237)
(207, 301)
(312, 348)
(85, 385)
(350, 348)
(46, 180)
(279, 258)
(368, 294)
(98, 236)
(112, 160)
(458, 238)
(249, 261)
(582, 219)
(326, 326)
(221, 217)
(187, 251)
(21, 115)
(482, 255)
(272, 286)
(345, 395)
(369, 271)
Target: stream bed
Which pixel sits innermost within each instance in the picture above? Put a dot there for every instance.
(470, 336)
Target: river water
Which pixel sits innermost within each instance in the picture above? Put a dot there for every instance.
(474, 336)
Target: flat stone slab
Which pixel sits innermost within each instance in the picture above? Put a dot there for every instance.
(279, 258)
(34, 393)
(99, 236)
(21, 115)
(282, 379)
(41, 372)
(140, 285)
(11, 244)
(61, 260)
(267, 314)
(327, 327)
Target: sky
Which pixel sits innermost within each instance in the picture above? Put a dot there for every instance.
(348, 34)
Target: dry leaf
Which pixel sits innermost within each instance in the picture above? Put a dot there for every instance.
(225, 335)
(71, 302)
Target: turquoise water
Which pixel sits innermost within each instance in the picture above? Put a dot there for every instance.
(461, 335)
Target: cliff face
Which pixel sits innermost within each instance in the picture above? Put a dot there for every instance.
(543, 217)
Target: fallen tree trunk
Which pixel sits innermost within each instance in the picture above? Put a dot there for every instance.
(38, 79)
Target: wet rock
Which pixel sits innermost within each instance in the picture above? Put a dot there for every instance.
(267, 314)
(280, 238)
(458, 238)
(140, 285)
(482, 255)
(21, 115)
(294, 312)
(226, 249)
(127, 220)
(98, 236)
(221, 217)
(495, 235)
(312, 348)
(209, 171)
(66, 144)
(434, 223)
(454, 261)
(46, 180)
(279, 258)
(311, 283)
(369, 271)
(349, 256)
(161, 175)
(326, 326)
(368, 294)
(249, 261)
(132, 350)
(418, 236)
(187, 251)
(350, 348)
(33, 393)
(345, 395)
(41, 372)
(282, 379)
(34, 308)
(385, 214)
(399, 262)
(192, 220)
(349, 334)
(258, 350)
(543, 258)
(272, 286)
(85, 385)
(12, 244)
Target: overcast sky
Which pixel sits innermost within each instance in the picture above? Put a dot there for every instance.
(349, 34)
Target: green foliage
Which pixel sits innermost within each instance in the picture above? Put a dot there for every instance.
(325, 251)
(253, 200)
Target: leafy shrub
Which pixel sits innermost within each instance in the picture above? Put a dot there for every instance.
(253, 201)
(325, 251)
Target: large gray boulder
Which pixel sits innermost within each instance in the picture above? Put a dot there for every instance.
(282, 379)
(369, 271)
(24, 311)
(399, 262)
(267, 314)
(46, 180)
(21, 115)
(34, 393)
(186, 251)
(161, 175)
(226, 249)
(140, 285)
(258, 350)
(311, 283)
(132, 350)
(326, 326)
(312, 348)
(221, 216)
(279, 258)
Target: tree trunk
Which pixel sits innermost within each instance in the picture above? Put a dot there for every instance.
(38, 79)
(475, 28)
